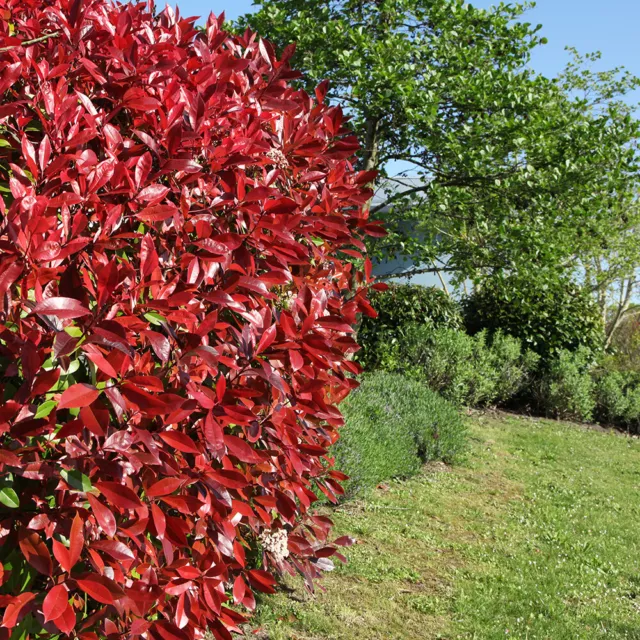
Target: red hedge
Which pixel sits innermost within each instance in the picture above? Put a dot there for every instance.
(176, 308)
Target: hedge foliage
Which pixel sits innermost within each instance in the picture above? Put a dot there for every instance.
(468, 370)
(175, 320)
(393, 425)
(399, 308)
(548, 315)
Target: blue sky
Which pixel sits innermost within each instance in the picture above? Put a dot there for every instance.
(610, 26)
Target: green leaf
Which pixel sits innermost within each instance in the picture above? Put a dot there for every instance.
(77, 480)
(9, 498)
(155, 318)
(45, 409)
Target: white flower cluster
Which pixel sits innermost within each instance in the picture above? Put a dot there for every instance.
(279, 159)
(276, 543)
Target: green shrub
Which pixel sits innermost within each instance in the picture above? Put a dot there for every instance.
(618, 395)
(468, 370)
(515, 368)
(612, 401)
(631, 417)
(399, 308)
(443, 359)
(483, 383)
(434, 423)
(392, 426)
(567, 389)
(547, 314)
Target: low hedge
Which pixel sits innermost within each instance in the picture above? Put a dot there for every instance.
(393, 425)
(399, 308)
(468, 370)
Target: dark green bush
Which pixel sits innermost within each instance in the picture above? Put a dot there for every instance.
(468, 370)
(631, 417)
(442, 359)
(392, 426)
(547, 314)
(567, 388)
(617, 395)
(612, 401)
(515, 369)
(398, 308)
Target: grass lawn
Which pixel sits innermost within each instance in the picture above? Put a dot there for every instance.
(536, 536)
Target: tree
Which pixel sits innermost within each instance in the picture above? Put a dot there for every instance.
(515, 171)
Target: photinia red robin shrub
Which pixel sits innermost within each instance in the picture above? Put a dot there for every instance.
(177, 296)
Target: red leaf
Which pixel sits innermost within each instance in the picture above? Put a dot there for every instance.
(157, 213)
(76, 540)
(101, 362)
(221, 388)
(55, 603)
(44, 382)
(117, 550)
(297, 361)
(44, 152)
(180, 441)
(345, 541)
(143, 166)
(119, 495)
(239, 589)
(8, 275)
(103, 515)
(15, 608)
(98, 587)
(159, 343)
(77, 396)
(66, 308)
(29, 153)
(267, 339)
(67, 621)
(61, 554)
(164, 487)
(35, 552)
(240, 449)
(262, 581)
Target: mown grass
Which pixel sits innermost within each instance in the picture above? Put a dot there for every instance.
(534, 536)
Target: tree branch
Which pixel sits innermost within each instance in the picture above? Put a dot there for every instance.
(398, 196)
(28, 43)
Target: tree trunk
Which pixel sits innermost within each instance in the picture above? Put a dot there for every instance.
(370, 157)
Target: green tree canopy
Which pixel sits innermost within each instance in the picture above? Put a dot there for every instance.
(516, 172)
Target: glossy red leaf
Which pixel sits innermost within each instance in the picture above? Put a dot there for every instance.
(8, 275)
(180, 441)
(119, 495)
(61, 554)
(103, 515)
(76, 540)
(267, 339)
(66, 622)
(241, 449)
(164, 487)
(35, 552)
(55, 602)
(262, 580)
(67, 308)
(157, 213)
(159, 343)
(117, 550)
(16, 608)
(98, 587)
(77, 396)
